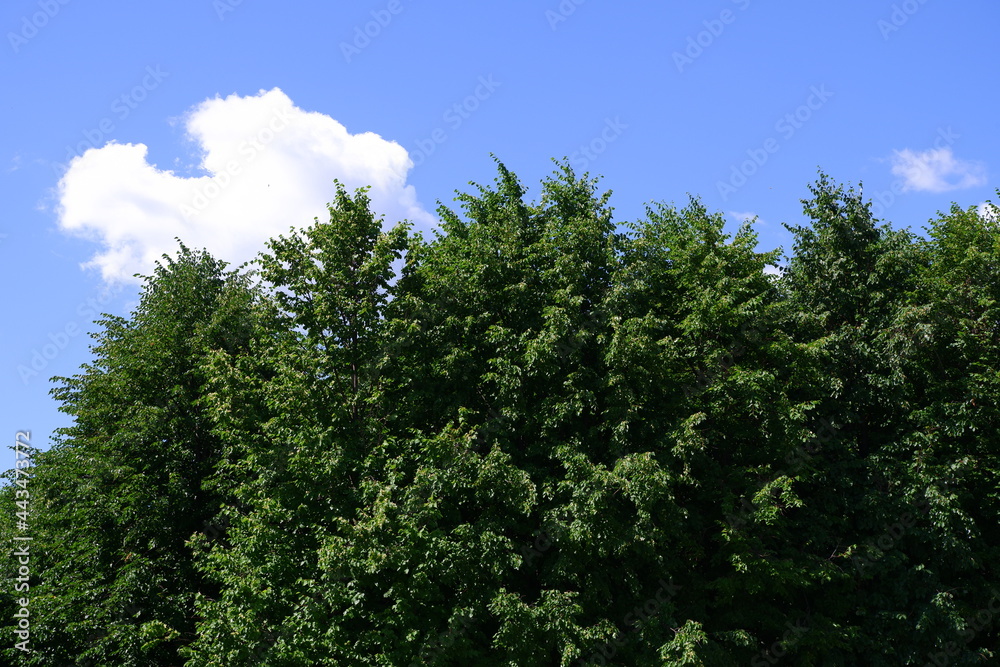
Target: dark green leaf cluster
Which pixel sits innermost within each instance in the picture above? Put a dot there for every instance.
(537, 439)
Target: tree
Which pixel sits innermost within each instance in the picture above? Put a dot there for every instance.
(120, 493)
(298, 412)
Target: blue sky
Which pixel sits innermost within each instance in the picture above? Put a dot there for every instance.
(226, 121)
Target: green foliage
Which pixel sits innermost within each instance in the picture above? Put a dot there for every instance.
(538, 439)
(116, 499)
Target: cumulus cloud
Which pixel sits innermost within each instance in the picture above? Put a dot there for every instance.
(267, 165)
(936, 170)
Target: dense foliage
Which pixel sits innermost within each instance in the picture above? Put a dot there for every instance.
(537, 439)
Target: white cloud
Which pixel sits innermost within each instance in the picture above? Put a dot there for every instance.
(269, 166)
(772, 270)
(936, 170)
(989, 211)
(745, 216)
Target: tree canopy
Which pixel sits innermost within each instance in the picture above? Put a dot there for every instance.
(539, 438)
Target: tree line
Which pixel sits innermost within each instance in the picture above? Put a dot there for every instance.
(539, 438)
